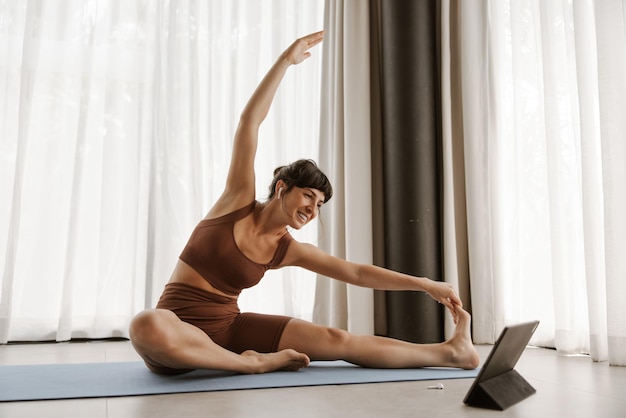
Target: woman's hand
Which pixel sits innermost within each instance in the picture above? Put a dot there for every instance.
(299, 50)
(446, 294)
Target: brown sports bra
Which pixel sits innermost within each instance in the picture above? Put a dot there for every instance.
(214, 254)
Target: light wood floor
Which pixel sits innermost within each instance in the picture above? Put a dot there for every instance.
(566, 387)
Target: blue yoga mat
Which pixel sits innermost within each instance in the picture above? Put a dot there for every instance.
(95, 380)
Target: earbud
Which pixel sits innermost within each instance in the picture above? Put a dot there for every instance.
(279, 192)
(437, 386)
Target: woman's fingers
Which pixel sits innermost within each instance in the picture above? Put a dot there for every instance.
(314, 38)
(449, 298)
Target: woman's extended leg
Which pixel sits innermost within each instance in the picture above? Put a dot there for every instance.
(322, 343)
(168, 344)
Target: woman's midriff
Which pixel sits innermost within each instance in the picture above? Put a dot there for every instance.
(185, 274)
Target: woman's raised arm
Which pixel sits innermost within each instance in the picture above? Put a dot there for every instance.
(240, 183)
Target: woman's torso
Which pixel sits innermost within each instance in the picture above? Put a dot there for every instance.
(252, 248)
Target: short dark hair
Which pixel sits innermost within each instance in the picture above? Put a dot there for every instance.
(303, 174)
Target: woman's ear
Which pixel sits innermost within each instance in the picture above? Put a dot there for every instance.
(280, 188)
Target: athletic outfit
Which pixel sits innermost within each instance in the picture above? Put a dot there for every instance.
(214, 254)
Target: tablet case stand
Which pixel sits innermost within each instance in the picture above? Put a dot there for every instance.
(501, 392)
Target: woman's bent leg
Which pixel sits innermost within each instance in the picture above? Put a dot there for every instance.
(169, 345)
(322, 343)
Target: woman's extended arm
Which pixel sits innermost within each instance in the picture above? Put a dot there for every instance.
(240, 182)
(312, 258)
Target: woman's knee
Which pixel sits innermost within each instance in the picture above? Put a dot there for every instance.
(337, 337)
(148, 328)
(153, 335)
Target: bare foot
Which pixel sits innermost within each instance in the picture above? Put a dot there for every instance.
(464, 355)
(283, 360)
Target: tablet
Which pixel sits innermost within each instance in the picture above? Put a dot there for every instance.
(498, 385)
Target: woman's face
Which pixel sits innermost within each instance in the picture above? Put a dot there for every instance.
(302, 205)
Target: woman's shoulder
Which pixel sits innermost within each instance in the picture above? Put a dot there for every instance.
(298, 252)
(234, 212)
(228, 204)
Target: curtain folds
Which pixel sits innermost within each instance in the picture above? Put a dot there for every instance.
(345, 156)
(541, 88)
(116, 121)
(455, 250)
(411, 162)
(610, 20)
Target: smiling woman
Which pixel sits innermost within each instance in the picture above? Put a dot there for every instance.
(197, 322)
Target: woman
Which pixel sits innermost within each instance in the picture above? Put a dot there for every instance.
(197, 324)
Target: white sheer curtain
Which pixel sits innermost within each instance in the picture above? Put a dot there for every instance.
(345, 156)
(543, 87)
(116, 121)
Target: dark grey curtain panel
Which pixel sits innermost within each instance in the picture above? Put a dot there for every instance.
(406, 55)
